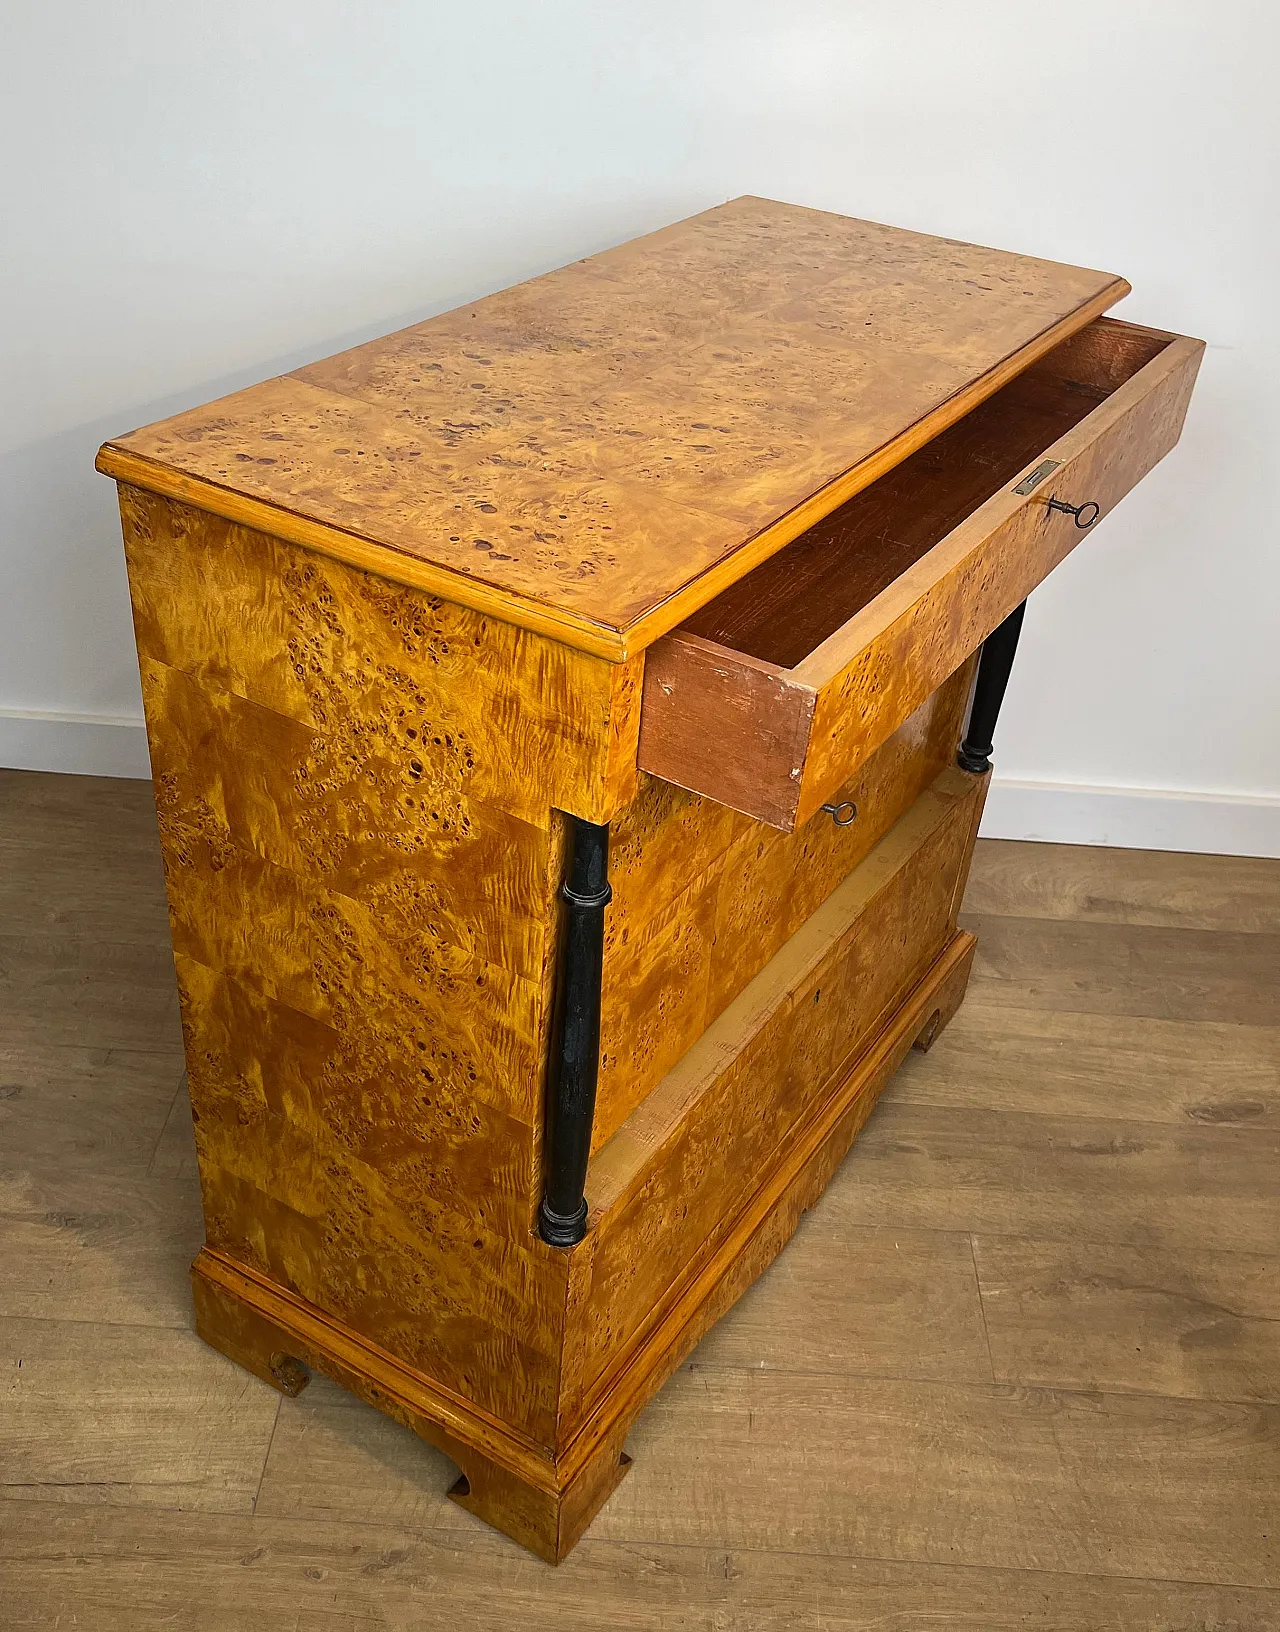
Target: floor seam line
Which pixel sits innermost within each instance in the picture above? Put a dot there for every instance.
(982, 1303)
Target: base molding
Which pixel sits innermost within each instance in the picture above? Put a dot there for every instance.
(73, 744)
(1133, 818)
(543, 1500)
(505, 1480)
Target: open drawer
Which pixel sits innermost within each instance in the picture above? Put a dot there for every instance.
(772, 695)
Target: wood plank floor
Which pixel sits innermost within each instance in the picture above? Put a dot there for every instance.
(1020, 1368)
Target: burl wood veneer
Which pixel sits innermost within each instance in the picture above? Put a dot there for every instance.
(554, 712)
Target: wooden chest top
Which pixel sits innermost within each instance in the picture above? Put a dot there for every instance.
(600, 451)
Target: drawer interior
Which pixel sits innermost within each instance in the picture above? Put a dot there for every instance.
(792, 602)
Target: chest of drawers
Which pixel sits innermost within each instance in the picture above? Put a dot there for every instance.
(554, 713)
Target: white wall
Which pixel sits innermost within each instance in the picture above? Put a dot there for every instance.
(197, 196)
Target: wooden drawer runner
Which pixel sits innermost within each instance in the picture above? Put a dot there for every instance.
(771, 696)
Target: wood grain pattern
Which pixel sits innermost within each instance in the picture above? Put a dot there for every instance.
(1101, 968)
(1033, 1479)
(726, 725)
(801, 596)
(1164, 889)
(1060, 1177)
(1198, 1073)
(704, 897)
(98, 1244)
(51, 829)
(545, 1500)
(321, 646)
(795, 600)
(156, 1570)
(673, 1178)
(337, 1458)
(354, 785)
(126, 1002)
(106, 1413)
(68, 1109)
(921, 1282)
(799, 1173)
(352, 1530)
(540, 1500)
(1188, 1324)
(845, 633)
(390, 615)
(726, 381)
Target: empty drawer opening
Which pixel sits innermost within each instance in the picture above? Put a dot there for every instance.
(791, 603)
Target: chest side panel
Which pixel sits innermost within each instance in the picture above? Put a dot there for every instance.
(354, 785)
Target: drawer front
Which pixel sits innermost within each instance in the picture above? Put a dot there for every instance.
(777, 742)
(670, 1184)
(703, 898)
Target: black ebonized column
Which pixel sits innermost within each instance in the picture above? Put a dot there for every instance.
(974, 753)
(575, 1060)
